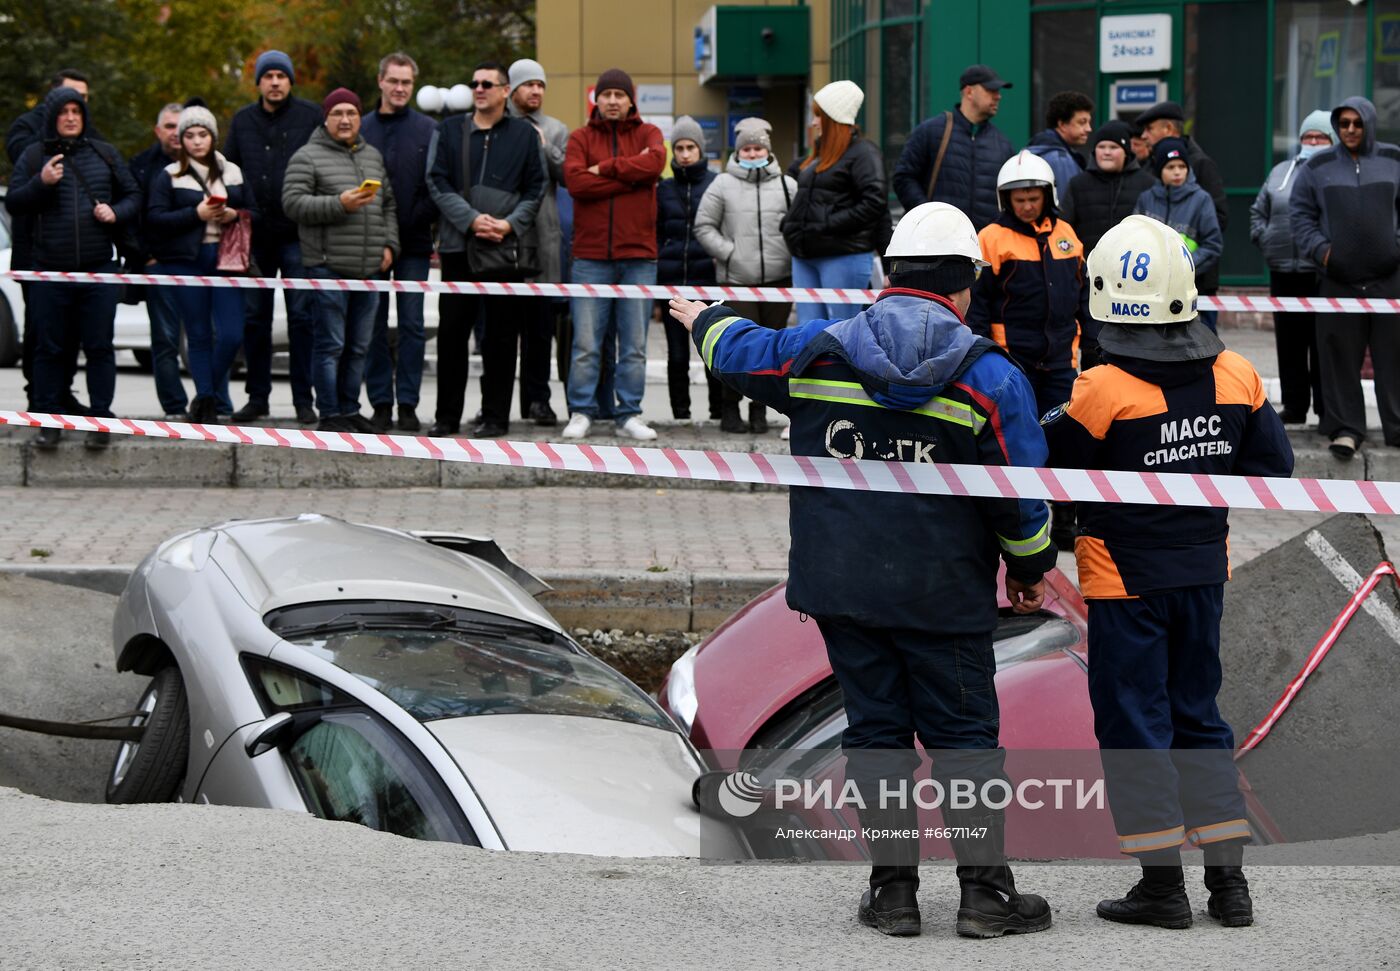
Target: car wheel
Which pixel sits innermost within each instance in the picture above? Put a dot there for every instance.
(144, 360)
(152, 769)
(9, 336)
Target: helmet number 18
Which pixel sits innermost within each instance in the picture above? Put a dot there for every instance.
(1139, 268)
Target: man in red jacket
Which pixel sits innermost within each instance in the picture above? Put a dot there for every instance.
(611, 168)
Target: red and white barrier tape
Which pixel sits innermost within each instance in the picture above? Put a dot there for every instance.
(1260, 731)
(923, 478)
(1266, 304)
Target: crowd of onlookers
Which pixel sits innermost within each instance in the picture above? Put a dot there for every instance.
(506, 193)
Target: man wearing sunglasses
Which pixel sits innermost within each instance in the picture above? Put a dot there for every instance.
(1343, 216)
(486, 177)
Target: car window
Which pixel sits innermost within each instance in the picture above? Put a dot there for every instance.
(434, 669)
(351, 770)
(4, 234)
(1020, 637)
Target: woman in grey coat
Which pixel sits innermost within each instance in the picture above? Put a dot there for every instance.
(1291, 274)
(738, 225)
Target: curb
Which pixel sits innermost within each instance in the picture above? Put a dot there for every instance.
(632, 600)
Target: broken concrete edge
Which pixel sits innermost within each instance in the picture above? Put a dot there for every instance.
(639, 600)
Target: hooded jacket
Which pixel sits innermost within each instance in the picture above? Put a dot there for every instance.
(614, 209)
(903, 380)
(968, 177)
(1191, 212)
(1347, 205)
(504, 158)
(350, 244)
(261, 143)
(842, 210)
(680, 258)
(66, 235)
(739, 223)
(1095, 201)
(402, 137)
(1033, 297)
(1268, 215)
(1064, 161)
(548, 228)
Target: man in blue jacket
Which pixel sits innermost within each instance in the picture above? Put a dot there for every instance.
(959, 167)
(262, 138)
(906, 380)
(1343, 215)
(402, 136)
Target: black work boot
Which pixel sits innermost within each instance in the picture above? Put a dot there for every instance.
(1229, 902)
(730, 420)
(1159, 899)
(990, 905)
(890, 905)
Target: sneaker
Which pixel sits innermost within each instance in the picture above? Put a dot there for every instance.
(635, 428)
(48, 438)
(1344, 446)
(254, 410)
(306, 415)
(383, 418)
(543, 415)
(578, 426)
(96, 441)
(787, 433)
(408, 419)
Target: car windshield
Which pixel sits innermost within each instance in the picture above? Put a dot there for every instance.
(444, 662)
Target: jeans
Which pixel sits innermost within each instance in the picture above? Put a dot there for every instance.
(213, 320)
(850, 271)
(596, 321)
(344, 321)
(257, 323)
(386, 381)
(73, 316)
(165, 342)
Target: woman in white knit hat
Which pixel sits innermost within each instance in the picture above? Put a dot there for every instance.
(191, 202)
(840, 213)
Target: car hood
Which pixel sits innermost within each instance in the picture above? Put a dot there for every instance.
(566, 784)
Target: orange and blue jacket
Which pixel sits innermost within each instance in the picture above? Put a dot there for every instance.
(1207, 416)
(1033, 299)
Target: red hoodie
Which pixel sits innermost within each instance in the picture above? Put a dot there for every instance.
(615, 210)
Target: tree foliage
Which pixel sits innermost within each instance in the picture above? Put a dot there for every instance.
(141, 54)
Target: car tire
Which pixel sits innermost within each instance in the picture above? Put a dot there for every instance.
(9, 336)
(153, 769)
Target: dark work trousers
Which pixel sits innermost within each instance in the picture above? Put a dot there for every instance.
(1154, 672)
(678, 345)
(73, 317)
(457, 316)
(774, 316)
(1295, 336)
(537, 331)
(1342, 340)
(271, 258)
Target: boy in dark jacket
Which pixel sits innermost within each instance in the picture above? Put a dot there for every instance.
(79, 194)
(1184, 206)
(682, 261)
(1101, 197)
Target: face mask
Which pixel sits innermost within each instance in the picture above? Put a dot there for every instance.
(753, 163)
(1308, 151)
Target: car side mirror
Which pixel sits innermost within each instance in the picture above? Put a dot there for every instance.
(267, 734)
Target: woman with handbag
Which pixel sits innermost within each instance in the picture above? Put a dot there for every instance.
(200, 215)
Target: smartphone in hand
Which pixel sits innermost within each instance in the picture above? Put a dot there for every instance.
(369, 185)
(218, 200)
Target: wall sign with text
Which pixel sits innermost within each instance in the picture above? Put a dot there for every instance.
(1137, 42)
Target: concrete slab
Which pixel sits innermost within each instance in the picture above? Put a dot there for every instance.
(261, 467)
(1327, 768)
(715, 596)
(12, 455)
(629, 600)
(130, 462)
(1382, 463)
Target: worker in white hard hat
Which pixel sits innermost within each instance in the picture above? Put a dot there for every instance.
(1167, 398)
(1033, 298)
(902, 586)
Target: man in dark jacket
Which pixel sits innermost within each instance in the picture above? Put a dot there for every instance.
(79, 193)
(262, 138)
(402, 136)
(1100, 198)
(160, 301)
(906, 380)
(485, 175)
(1344, 220)
(1068, 119)
(976, 149)
(28, 128)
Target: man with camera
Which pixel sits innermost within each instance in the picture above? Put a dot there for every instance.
(79, 194)
(485, 175)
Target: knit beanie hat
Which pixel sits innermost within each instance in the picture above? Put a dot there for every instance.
(1118, 132)
(1168, 150)
(273, 61)
(942, 275)
(525, 70)
(615, 78)
(753, 131)
(198, 117)
(340, 96)
(687, 128)
(840, 101)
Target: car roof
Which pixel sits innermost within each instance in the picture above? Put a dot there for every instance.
(316, 558)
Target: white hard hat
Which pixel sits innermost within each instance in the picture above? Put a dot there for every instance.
(1141, 273)
(935, 229)
(1025, 170)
